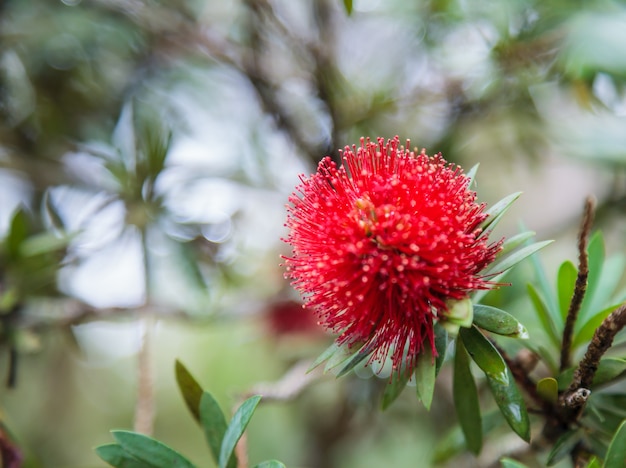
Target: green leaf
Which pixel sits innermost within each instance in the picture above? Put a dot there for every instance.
(53, 214)
(149, 450)
(616, 454)
(18, 231)
(500, 380)
(548, 389)
(596, 256)
(465, 397)
(190, 388)
(495, 213)
(563, 446)
(348, 6)
(609, 369)
(585, 334)
(498, 321)
(214, 426)
(441, 345)
(594, 463)
(270, 464)
(459, 314)
(394, 387)
(116, 456)
(425, 376)
(355, 360)
(43, 243)
(545, 292)
(505, 263)
(544, 315)
(566, 281)
(327, 354)
(471, 175)
(514, 242)
(236, 428)
(510, 463)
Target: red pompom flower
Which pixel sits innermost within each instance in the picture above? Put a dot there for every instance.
(383, 244)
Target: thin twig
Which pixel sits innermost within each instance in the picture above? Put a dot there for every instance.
(600, 343)
(581, 284)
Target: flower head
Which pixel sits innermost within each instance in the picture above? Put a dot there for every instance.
(383, 243)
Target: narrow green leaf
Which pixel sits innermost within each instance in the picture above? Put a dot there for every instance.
(514, 242)
(149, 450)
(616, 455)
(327, 354)
(236, 428)
(471, 175)
(566, 281)
(190, 388)
(394, 387)
(425, 376)
(563, 446)
(498, 321)
(609, 369)
(500, 380)
(505, 263)
(214, 426)
(348, 6)
(355, 360)
(510, 463)
(116, 456)
(544, 316)
(548, 389)
(585, 334)
(343, 353)
(441, 345)
(53, 214)
(465, 397)
(594, 463)
(18, 231)
(496, 212)
(270, 464)
(43, 243)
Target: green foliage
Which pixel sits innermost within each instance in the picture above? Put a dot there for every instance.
(425, 374)
(133, 450)
(466, 400)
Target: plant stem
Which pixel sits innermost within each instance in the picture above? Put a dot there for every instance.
(581, 284)
(145, 408)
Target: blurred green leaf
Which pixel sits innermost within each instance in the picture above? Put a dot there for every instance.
(510, 463)
(609, 369)
(563, 446)
(326, 354)
(190, 388)
(594, 463)
(441, 345)
(214, 426)
(53, 214)
(548, 389)
(125, 141)
(500, 380)
(545, 292)
(596, 256)
(270, 464)
(495, 213)
(544, 316)
(587, 331)
(471, 175)
(505, 263)
(149, 450)
(43, 243)
(236, 428)
(566, 281)
(394, 387)
(348, 6)
(18, 231)
(425, 376)
(498, 321)
(514, 242)
(616, 455)
(116, 456)
(465, 397)
(356, 359)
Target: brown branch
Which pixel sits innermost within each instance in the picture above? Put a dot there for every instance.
(581, 284)
(586, 370)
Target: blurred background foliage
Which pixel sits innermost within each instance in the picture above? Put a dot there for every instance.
(147, 149)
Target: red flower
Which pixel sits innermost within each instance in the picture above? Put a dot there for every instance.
(381, 244)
